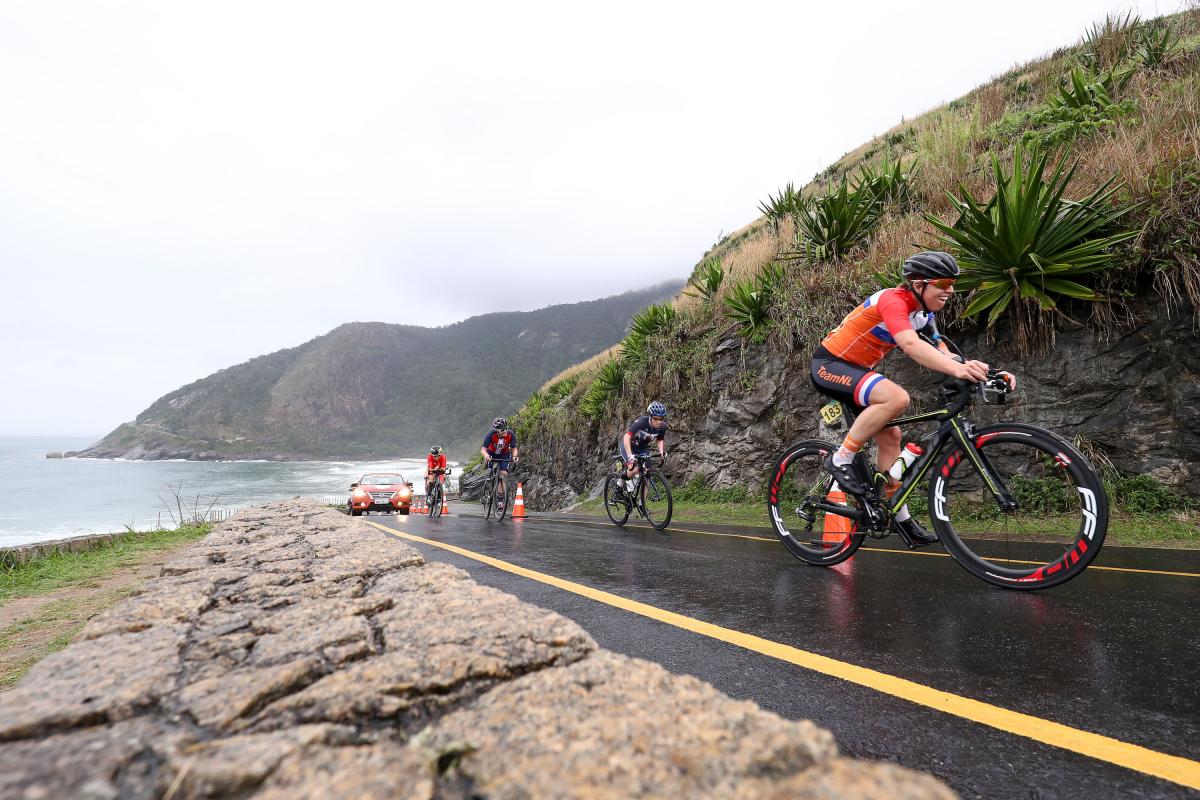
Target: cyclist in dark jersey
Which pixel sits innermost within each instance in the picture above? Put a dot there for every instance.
(843, 366)
(641, 434)
(500, 445)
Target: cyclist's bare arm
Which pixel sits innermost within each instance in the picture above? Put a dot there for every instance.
(929, 356)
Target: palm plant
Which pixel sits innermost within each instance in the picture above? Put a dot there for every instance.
(785, 204)
(1027, 247)
(1156, 45)
(645, 323)
(1106, 44)
(887, 182)
(831, 226)
(1084, 89)
(749, 302)
(707, 280)
(607, 384)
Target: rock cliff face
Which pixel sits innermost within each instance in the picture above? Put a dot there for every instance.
(1135, 396)
(374, 389)
(298, 653)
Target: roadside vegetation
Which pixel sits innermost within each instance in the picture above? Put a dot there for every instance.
(75, 587)
(1068, 187)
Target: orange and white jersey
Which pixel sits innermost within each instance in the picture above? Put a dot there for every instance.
(868, 333)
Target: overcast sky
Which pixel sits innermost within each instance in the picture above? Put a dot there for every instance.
(184, 186)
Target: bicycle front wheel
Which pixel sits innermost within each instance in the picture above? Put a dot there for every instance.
(656, 500)
(501, 498)
(798, 483)
(490, 500)
(1061, 514)
(616, 504)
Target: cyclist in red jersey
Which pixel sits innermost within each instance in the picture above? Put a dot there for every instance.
(434, 461)
(843, 367)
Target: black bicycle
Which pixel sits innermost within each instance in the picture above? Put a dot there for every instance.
(437, 493)
(650, 496)
(1029, 510)
(496, 499)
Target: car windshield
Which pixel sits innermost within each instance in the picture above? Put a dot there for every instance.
(382, 478)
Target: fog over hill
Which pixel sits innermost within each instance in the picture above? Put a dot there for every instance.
(376, 389)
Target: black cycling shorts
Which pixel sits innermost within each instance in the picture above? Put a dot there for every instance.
(843, 380)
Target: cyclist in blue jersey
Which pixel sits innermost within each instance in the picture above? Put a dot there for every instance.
(642, 433)
(500, 445)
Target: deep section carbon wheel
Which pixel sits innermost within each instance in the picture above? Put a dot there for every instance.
(1059, 519)
(798, 481)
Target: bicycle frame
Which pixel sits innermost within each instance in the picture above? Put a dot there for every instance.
(950, 431)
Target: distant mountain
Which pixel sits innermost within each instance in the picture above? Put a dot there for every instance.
(372, 389)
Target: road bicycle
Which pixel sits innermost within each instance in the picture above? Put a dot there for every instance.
(650, 496)
(1014, 504)
(437, 493)
(496, 499)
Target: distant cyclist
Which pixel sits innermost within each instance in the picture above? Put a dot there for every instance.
(843, 367)
(500, 445)
(642, 433)
(436, 460)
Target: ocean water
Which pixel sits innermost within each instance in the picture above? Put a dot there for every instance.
(43, 498)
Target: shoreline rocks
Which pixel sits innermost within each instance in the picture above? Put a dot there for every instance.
(298, 652)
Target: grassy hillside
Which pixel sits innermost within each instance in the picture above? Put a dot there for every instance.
(1069, 188)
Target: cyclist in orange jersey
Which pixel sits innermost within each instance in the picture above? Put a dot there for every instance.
(843, 366)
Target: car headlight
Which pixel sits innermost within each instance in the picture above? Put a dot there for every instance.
(404, 494)
(360, 495)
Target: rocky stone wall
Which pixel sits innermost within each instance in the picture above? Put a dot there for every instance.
(1134, 395)
(296, 653)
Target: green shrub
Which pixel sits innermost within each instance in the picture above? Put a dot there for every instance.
(1050, 126)
(1028, 245)
(749, 302)
(605, 386)
(696, 492)
(830, 226)
(1143, 494)
(707, 280)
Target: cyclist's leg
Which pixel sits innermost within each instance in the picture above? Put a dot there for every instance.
(626, 457)
(881, 401)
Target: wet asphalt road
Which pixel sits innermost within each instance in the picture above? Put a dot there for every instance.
(1114, 653)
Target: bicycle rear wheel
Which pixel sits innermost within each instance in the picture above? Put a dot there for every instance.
(1061, 517)
(656, 500)
(616, 504)
(798, 482)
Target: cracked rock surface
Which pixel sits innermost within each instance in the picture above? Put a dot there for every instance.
(296, 652)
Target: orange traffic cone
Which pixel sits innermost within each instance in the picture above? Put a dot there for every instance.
(518, 510)
(836, 528)
(445, 503)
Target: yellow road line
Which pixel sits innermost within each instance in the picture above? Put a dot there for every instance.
(1103, 748)
(600, 523)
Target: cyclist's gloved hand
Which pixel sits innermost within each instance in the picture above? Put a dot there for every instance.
(1012, 379)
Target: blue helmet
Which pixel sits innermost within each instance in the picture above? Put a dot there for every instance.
(656, 409)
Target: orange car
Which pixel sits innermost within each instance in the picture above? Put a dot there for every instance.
(386, 492)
